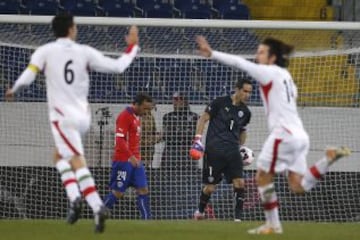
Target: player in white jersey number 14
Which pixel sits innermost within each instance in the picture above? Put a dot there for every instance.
(65, 65)
(287, 145)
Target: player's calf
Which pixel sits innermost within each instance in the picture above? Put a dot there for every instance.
(239, 195)
(143, 204)
(321, 167)
(68, 179)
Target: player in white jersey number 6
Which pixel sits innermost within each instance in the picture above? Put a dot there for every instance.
(287, 145)
(66, 66)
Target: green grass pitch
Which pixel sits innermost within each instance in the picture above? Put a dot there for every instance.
(171, 230)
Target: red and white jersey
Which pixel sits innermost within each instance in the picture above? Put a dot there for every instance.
(66, 65)
(127, 136)
(278, 91)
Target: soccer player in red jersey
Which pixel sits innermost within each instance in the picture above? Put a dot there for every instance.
(127, 168)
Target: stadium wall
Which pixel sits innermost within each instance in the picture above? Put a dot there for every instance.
(30, 186)
(33, 145)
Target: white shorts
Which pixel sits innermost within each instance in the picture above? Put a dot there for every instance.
(285, 150)
(68, 131)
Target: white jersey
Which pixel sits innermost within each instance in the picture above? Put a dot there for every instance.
(278, 91)
(66, 65)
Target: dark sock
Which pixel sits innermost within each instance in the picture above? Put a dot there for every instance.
(204, 199)
(110, 200)
(239, 195)
(143, 204)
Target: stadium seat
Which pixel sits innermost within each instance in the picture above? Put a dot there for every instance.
(154, 36)
(221, 4)
(240, 40)
(320, 79)
(235, 11)
(191, 33)
(320, 40)
(214, 36)
(117, 34)
(197, 11)
(42, 7)
(285, 3)
(9, 7)
(118, 8)
(291, 10)
(180, 4)
(80, 7)
(144, 3)
(42, 33)
(159, 10)
(147, 4)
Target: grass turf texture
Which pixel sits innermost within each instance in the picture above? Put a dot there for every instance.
(171, 230)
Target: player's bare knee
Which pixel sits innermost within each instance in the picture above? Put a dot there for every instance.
(57, 157)
(296, 187)
(77, 162)
(294, 180)
(238, 183)
(263, 178)
(142, 191)
(118, 194)
(209, 189)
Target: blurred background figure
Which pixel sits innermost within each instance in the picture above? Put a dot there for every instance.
(149, 137)
(178, 130)
(177, 169)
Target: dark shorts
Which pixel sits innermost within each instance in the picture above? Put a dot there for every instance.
(222, 163)
(124, 175)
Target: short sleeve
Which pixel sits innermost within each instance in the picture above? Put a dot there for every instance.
(213, 108)
(248, 118)
(122, 125)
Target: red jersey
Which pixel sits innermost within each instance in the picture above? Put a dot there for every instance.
(127, 136)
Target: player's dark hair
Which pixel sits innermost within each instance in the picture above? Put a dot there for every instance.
(61, 24)
(142, 97)
(240, 83)
(280, 49)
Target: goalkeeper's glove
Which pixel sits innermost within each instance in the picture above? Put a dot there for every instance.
(197, 148)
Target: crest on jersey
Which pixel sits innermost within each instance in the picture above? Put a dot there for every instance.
(211, 179)
(240, 114)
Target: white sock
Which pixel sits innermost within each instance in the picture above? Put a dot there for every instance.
(270, 204)
(88, 188)
(314, 174)
(68, 179)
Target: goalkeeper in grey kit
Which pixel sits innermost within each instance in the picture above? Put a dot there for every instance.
(228, 117)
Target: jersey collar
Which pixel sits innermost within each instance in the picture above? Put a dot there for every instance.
(64, 40)
(131, 111)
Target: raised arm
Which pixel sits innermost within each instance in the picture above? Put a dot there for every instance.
(259, 72)
(101, 63)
